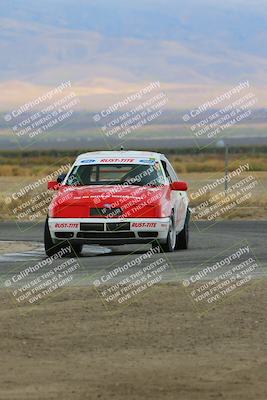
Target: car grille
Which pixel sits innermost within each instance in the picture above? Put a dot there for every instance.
(110, 226)
(91, 227)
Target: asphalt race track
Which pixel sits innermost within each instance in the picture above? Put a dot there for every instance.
(206, 243)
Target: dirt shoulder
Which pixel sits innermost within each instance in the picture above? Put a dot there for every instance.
(12, 246)
(158, 348)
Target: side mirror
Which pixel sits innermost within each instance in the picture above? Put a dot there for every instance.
(61, 178)
(182, 186)
(52, 185)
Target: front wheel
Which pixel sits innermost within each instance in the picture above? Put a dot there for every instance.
(50, 247)
(170, 245)
(182, 238)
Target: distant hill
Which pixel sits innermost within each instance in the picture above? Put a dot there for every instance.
(184, 44)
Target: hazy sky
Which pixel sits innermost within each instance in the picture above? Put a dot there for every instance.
(115, 43)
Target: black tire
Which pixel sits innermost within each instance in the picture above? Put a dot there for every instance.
(50, 247)
(170, 245)
(182, 239)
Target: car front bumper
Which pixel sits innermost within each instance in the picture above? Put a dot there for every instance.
(109, 230)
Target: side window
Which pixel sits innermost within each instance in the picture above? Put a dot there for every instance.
(166, 170)
(172, 172)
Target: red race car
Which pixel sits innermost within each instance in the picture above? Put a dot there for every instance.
(118, 197)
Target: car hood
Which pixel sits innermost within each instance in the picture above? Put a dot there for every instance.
(114, 195)
(133, 201)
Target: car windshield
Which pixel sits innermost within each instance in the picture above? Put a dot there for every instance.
(116, 174)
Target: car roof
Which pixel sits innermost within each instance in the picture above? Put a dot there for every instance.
(121, 154)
